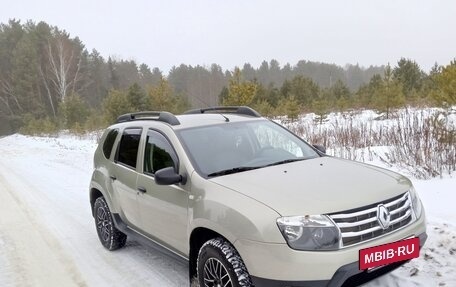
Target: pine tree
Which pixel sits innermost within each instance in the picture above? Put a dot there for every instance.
(264, 108)
(113, 74)
(409, 74)
(293, 108)
(339, 94)
(240, 92)
(24, 77)
(74, 111)
(320, 107)
(97, 79)
(304, 90)
(390, 94)
(115, 104)
(160, 96)
(137, 98)
(446, 82)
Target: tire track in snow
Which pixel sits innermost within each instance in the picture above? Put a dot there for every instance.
(35, 257)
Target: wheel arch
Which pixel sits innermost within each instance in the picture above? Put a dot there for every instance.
(198, 237)
(94, 194)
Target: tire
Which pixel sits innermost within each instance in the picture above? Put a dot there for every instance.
(109, 235)
(219, 264)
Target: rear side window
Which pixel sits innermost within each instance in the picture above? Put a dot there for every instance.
(158, 154)
(128, 147)
(109, 142)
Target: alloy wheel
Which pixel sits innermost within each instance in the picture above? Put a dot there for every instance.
(215, 274)
(103, 223)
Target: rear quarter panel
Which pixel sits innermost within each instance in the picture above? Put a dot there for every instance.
(100, 177)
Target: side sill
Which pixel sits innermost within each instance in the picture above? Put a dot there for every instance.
(144, 240)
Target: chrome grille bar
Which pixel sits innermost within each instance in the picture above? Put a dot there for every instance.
(353, 224)
(362, 225)
(373, 209)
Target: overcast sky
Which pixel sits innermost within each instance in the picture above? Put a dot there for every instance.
(230, 33)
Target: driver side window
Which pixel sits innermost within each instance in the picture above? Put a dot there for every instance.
(158, 153)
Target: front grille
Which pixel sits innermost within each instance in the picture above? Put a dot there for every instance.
(360, 225)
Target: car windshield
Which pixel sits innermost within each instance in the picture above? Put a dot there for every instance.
(235, 147)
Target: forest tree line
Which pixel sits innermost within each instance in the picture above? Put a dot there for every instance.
(50, 81)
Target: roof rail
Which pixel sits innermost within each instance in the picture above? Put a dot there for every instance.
(149, 115)
(240, 110)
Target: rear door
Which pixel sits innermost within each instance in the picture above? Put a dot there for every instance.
(163, 207)
(124, 175)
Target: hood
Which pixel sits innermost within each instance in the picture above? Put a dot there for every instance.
(316, 186)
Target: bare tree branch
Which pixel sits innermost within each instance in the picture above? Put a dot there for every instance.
(76, 76)
(62, 63)
(8, 90)
(5, 101)
(47, 89)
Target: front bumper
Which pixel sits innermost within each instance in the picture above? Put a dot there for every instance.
(349, 274)
(278, 265)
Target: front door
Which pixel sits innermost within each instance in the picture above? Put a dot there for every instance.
(163, 208)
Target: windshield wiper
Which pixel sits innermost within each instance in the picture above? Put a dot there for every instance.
(285, 161)
(232, 170)
(245, 168)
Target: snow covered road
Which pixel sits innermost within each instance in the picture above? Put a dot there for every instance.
(47, 233)
(48, 237)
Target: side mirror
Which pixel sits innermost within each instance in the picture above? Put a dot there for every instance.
(320, 148)
(168, 176)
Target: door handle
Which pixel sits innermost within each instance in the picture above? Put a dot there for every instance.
(113, 177)
(142, 189)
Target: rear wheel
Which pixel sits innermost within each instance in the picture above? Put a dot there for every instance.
(220, 265)
(109, 235)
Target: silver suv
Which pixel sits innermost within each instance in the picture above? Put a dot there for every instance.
(247, 203)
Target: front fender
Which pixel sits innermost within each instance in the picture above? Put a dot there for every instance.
(231, 214)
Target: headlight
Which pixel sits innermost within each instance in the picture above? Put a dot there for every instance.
(416, 203)
(310, 232)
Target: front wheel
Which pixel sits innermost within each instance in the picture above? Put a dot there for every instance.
(220, 265)
(109, 235)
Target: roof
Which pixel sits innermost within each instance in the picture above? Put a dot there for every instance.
(192, 118)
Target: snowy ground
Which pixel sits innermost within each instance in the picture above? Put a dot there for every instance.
(47, 233)
(48, 238)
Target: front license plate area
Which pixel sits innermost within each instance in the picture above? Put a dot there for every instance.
(380, 255)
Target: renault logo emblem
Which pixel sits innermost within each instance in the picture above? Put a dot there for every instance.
(383, 216)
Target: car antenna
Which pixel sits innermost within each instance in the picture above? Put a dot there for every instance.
(226, 118)
(203, 102)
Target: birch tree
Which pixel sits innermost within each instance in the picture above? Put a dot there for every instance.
(64, 64)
